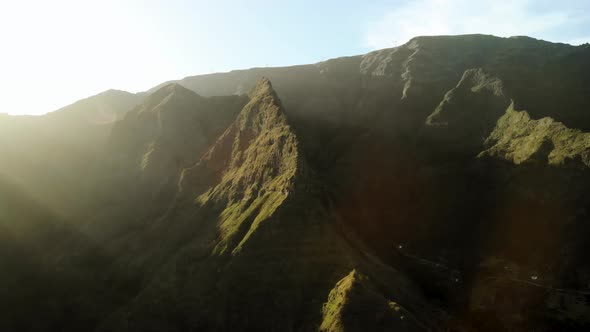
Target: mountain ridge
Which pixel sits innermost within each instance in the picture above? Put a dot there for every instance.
(406, 182)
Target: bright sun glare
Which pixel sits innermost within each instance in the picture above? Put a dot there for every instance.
(62, 51)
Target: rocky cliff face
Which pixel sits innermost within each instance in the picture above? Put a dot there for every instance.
(519, 139)
(448, 174)
(257, 165)
(468, 112)
(259, 241)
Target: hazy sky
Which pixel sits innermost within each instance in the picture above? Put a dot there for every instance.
(56, 52)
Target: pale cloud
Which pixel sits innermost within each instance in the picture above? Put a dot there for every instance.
(449, 17)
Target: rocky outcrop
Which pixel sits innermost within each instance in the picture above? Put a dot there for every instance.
(519, 139)
(355, 304)
(257, 163)
(468, 112)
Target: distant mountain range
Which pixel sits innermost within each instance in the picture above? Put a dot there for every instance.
(442, 185)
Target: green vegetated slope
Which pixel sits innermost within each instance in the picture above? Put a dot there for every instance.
(257, 162)
(448, 174)
(263, 252)
(520, 139)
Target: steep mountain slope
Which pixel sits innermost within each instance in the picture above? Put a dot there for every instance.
(449, 174)
(147, 150)
(257, 162)
(519, 139)
(468, 112)
(260, 251)
(424, 68)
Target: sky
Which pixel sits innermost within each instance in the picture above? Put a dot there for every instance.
(55, 52)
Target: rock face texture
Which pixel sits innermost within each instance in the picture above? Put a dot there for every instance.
(519, 139)
(257, 164)
(469, 112)
(260, 242)
(441, 185)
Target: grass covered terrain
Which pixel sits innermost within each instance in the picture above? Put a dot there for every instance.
(406, 189)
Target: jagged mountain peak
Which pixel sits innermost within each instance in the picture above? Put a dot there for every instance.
(475, 84)
(263, 86)
(265, 109)
(256, 162)
(257, 152)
